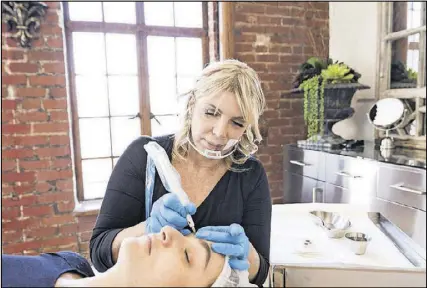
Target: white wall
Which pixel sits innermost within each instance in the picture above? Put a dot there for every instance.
(353, 40)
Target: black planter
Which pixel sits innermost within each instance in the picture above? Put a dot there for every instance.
(337, 105)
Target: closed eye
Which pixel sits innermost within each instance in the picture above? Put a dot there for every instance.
(238, 124)
(186, 256)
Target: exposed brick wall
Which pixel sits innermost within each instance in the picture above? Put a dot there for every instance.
(37, 185)
(37, 175)
(273, 38)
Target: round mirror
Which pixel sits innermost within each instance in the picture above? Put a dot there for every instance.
(387, 113)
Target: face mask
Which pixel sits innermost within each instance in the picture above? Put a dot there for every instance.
(216, 155)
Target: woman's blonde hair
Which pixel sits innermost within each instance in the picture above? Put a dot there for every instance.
(226, 76)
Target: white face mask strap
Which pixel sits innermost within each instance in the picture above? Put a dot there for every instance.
(215, 155)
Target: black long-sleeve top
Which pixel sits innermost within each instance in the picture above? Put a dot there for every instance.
(42, 270)
(238, 197)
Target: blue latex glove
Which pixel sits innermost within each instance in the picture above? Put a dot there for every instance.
(228, 240)
(168, 211)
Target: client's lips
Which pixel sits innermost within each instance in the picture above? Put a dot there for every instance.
(212, 146)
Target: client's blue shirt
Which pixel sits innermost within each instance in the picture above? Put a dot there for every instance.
(42, 270)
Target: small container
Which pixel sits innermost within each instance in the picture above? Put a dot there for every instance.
(358, 242)
(332, 223)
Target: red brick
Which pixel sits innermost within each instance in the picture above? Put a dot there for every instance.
(45, 56)
(42, 187)
(23, 68)
(23, 201)
(57, 68)
(53, 6)
(31, 140)
(24, 189)
(55, 104)
(47, 80)
(64, 184)
(61, 163)
(60, 241)
(6, 190)
(85, 226)
(13, 79)
(267, 58)
(68, 229)
(55, 42)
(58, 115)
(247, 58)
(32, 117)
(58, 220)
(50, 128)
(43, 232)
(53, 197)
(8, 166)
(53, 152)
(12, 55)
(58, 92)
(54, 175)
(10, 212)
(59, 140)
(7, 117)
(51, 17)
(16, 128)
(7, 140)
(50, 30)
(30, 92)
(11, 236)
(65, 206)
(18, 177)
(17, 153)
(31, 104)
(26, 223)
(37, 211)
(85, 236)
(34, 165)
(8, 104)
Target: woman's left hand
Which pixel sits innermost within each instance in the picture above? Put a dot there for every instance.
(230, 241)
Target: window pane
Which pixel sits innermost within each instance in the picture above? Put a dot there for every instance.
(121, 54)
(163, 99)
(161, 56)
(88, 52)
(184, 84)
(188, 14)
(124, 131)
(91, 94)
(120, 12)
(85, 11)
(123, 94)
(96, 173)
(404, 65)
(189, 56)
(95, 138)
(158, 13)
(168, 125)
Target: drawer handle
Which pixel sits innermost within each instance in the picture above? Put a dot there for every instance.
(298, 163)
(348, 175)
(401, 187)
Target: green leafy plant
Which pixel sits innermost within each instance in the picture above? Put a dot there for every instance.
(412, 74)
(337, 73)
(313, 75)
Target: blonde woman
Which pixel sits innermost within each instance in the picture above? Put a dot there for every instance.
(213, 153)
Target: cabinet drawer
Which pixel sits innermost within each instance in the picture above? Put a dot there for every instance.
(350, 173)
(403, 185)
(337, 194)
(299, 189)
(305, 162)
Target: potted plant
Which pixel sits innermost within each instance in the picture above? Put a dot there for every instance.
(328, 88)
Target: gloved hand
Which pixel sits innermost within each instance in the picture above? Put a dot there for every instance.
(168, 211)
(228, 240)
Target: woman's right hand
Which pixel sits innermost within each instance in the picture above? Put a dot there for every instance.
(168, 211)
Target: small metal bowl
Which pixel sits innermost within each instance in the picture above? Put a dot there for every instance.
(358, 242)
(334, 224)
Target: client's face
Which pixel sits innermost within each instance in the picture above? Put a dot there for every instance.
(169, 259)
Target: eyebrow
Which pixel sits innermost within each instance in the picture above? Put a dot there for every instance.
(240, 118)
(208, 251)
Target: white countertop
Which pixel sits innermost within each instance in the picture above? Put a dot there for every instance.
(292, 225)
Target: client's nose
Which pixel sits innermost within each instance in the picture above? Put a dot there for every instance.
(169, 235)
